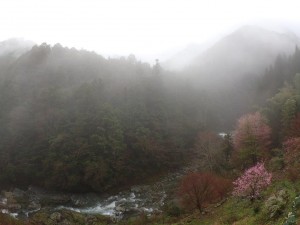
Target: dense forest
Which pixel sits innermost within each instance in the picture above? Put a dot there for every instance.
(74, 121)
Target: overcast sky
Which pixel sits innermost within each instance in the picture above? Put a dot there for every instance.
(142, 27)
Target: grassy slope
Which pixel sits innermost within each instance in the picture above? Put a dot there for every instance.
(243, 212)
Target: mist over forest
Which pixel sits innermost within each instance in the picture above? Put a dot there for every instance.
(74, 121)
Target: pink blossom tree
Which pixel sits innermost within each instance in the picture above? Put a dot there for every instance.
(252, 182)
(251, 139)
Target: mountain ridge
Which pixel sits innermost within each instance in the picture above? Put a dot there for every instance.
(248, 50)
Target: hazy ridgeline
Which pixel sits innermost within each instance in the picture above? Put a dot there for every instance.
(73, 120)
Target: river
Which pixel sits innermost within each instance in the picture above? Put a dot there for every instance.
(140, 198)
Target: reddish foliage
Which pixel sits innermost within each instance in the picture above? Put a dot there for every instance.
(293, 174)
(223, 186)
(199, 189)
(291, 145)
(252, 137)
(294, 130)
(292, 157)
(292, 151)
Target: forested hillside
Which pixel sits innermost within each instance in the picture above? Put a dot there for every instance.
(73, 120)
(161, 112)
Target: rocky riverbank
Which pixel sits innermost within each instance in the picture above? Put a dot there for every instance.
(37, 204)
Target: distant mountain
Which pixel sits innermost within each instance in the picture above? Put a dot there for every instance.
(184, 57)
(15, 46)
(248, 50)
(230, 70)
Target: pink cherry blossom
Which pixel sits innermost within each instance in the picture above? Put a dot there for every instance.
(252, 182)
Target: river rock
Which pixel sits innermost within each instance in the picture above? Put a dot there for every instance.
(79, 201)
(89, 219)
(136, 189)
(220, 203)
(120, 208)
(131, 212)
(56, 216)
(140, 189)
(18, 193)
(15, 196)
(55, 200)
(67, 217)
(34, 206)
(66, 222)
(3, 203)
(14, 206)
(9, 196)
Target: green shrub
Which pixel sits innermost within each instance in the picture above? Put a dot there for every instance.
(276, 163)
(256, 209)
(276, 204)
(173, 210)
(291, 218)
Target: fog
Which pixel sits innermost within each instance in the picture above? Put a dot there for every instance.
(15, 47)
(150, 30)
(97, 96)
